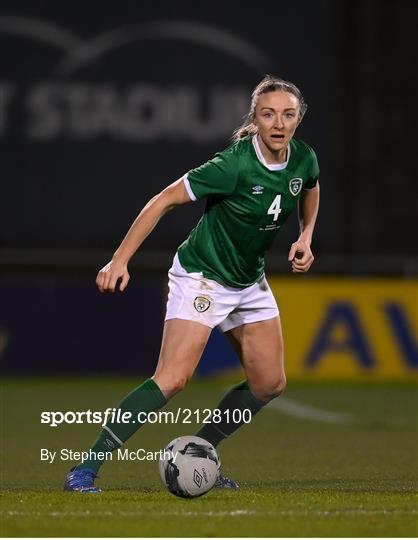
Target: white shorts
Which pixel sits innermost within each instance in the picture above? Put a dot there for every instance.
(196, 298)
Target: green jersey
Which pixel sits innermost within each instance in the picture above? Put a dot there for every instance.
(248, 202)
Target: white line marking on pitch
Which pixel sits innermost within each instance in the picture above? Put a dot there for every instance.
(293, 408)
(306, 512)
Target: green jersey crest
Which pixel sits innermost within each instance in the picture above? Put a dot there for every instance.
(295, 186)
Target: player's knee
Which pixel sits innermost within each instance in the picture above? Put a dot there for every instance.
(271, 390)
(178, 383)
(279, 387)
(169, 384)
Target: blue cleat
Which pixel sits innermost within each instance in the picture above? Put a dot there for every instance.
(81, 481)
(224, 482)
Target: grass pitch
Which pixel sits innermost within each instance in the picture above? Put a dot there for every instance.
(299, 476)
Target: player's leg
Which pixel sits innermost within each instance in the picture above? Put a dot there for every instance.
(262, 356)
(259, 346)
(254, 330)
(182, 346)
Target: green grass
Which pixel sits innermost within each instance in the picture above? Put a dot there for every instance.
(299, 477)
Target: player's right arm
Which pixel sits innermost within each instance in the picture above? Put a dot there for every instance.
(173, 195)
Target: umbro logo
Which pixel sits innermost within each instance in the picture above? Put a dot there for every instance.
(197, 478)
(258, 190)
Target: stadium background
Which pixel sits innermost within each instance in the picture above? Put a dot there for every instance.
(100, 109)
(102, 105)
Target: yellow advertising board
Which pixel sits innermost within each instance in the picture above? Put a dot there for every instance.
(349, 328)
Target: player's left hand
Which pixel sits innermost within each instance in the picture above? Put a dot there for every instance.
(300, 255)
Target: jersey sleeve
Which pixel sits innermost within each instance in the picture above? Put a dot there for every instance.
(217, 176)
(313, 174)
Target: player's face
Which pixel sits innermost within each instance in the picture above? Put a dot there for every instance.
(277, 117)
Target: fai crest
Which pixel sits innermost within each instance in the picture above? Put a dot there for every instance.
(295, 185)
(201, 304)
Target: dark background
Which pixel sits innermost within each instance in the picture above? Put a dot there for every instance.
(70, 187)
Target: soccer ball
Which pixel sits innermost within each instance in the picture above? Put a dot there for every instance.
(189, 466)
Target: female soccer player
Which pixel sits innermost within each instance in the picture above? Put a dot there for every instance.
(217, 277)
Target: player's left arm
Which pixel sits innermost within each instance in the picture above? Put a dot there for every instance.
(300, 254)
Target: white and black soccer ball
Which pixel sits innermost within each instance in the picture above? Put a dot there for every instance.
(189, 466)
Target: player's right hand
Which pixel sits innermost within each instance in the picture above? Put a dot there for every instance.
(108, 276)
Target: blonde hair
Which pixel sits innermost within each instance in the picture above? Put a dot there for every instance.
(270, 83)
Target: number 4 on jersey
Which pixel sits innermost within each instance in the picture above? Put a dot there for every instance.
(275, 207)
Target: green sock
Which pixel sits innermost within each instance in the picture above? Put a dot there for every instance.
(238, 398)
(145, 398)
